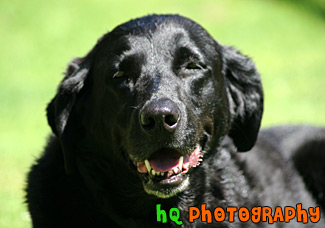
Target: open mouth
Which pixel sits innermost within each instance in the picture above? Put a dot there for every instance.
(165, 173)
(166, 163)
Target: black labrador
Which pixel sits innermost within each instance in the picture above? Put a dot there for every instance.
(147, 132)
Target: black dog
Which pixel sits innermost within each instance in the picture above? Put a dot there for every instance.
(153, 118)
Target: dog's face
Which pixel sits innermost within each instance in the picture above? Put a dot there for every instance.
(153, 96)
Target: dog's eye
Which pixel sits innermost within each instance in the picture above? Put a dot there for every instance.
(118, 74)
(193, 66)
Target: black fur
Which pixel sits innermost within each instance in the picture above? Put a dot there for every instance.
(167, 65)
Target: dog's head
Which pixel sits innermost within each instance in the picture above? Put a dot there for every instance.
(153, 97)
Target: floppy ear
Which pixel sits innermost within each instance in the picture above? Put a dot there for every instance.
(245, 97)
(59, 109)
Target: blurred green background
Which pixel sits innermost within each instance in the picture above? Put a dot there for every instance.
(286, 39)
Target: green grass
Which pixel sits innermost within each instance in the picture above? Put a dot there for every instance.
(38, 38)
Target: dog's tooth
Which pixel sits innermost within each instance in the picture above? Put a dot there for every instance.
(180, 163)
(157, 173)
(186, 166)
(162, 174)
(175, 170)
(153, 172)
(170, 172)
(147, 163)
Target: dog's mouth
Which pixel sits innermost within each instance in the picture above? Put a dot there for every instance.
(167, 163)
(165, 173)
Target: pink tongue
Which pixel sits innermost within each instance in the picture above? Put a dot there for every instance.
(164, 161)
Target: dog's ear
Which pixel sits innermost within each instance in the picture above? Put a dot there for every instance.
(59, 109)
(245, 97)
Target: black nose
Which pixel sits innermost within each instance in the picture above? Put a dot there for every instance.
(159, 116)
